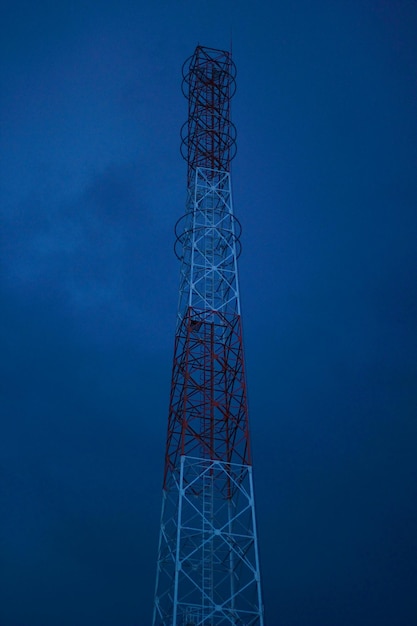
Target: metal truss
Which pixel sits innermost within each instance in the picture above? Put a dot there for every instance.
(208, 414)
(208, 136)
(208, 246)
(208, 565)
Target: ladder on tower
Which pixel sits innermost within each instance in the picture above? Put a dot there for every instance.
(207, 548)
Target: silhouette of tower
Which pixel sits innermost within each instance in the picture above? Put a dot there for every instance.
(208, 565)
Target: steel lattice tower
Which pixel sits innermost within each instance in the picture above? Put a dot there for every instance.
(208, 565)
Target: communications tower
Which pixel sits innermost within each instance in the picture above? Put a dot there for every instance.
(208, 565)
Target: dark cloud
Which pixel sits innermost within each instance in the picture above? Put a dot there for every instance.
(92, 184)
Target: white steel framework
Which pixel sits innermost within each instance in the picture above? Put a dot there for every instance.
(208, 565)
(208, 245)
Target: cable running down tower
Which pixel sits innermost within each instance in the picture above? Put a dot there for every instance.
(208, 565)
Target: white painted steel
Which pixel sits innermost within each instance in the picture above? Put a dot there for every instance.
(212, 555)
(209, 238)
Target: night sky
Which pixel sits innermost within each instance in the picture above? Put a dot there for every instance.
(325, 186)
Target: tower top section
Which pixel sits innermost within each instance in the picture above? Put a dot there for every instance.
(208, 136)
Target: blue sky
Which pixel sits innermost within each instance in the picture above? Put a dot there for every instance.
(91, 185)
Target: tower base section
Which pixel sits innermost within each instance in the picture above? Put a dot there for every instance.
(208, 564)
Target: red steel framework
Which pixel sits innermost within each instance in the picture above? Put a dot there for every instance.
(209, 135)
(208, 414)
